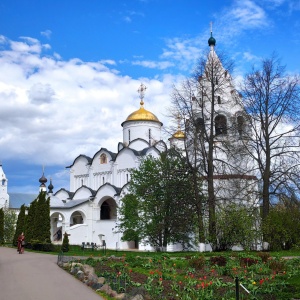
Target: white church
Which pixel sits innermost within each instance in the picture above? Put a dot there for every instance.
(88, 210)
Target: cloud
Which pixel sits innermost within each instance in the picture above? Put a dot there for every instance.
(127, 19)
(47, 33)
(161, 65)
(247, 14)
(293, 5)
(52, 110)
(250, 57)
(41, 93)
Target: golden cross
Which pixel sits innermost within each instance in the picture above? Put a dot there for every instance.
(141, 91)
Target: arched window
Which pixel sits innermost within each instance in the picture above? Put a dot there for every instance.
(76, 218)
(220, 125)
(3, 181)
(103, 180)
(240, 125)
(219, 100)
(200, 126)
(129, 135)
(105, 211)
(127, 177)
(103, 159)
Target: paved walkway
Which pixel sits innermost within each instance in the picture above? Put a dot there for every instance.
(35, 276)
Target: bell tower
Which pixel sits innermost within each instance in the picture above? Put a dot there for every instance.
(4, 197)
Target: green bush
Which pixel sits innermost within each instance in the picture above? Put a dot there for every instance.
(65, 244)
(40, 246)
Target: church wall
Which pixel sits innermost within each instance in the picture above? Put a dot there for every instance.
(79, 174)
(101, 173)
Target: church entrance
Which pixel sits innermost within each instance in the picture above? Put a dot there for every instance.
(57, 224)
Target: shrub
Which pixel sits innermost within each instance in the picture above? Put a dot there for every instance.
(277, 265)
(197, 262)
(65, 244)
(40, 246)
(265, 256)
(247, 261)
(218, 260)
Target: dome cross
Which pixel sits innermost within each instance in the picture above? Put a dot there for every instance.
(141, 91)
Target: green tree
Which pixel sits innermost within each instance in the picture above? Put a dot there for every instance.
(1, 226)
(30, 221)
(65, 244)
(42, 224)
(282, 225)
(157, 209)
(237, 225)
(37, 222)
(20, 227)
(10, 219)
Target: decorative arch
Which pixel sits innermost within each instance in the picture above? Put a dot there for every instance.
(57, 226)
(220, 125)
(76, 218)
(108, 209)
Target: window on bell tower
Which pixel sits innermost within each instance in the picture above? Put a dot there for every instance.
(220, 125)
(240, 125)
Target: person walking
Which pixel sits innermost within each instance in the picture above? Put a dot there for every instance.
(21, 243)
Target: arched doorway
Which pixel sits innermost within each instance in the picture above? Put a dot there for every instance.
(57, 226)
(108, 209)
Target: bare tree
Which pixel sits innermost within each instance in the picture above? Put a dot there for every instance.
(272, 100)
(214, 121)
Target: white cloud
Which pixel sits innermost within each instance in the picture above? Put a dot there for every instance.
(47, 33)
(53, 110)
(127, 19)
(41, 93)
(161, 65)
(250, 57)
(247, 14)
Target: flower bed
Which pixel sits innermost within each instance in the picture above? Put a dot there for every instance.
(197, 277)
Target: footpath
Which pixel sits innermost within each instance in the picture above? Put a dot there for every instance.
(35, 276)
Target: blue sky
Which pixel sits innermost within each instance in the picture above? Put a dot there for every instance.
(70, 70)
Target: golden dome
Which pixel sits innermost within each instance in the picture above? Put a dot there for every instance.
(142, 115)
(179, 135)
